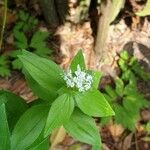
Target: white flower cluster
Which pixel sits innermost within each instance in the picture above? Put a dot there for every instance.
(80, 79)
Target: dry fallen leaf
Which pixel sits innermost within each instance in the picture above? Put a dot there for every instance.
(127, 142)
(57, 137)
(116, 130)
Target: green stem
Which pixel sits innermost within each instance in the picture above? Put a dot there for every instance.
(3, 24)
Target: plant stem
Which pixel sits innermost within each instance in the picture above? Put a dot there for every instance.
(3, 24)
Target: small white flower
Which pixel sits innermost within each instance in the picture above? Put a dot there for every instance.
(89, 78)
(80, 79)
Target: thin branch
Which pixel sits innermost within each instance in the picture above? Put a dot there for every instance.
(3, 24)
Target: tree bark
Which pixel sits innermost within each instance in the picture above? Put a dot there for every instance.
(102, 33)
(109, 10)
(50, 12)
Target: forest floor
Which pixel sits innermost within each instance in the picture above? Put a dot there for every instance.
(128, 33)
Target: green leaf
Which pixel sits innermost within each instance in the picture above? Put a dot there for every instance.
(40, 143)
(38, 38)
(4, 67)
(15, 107)
(78, 60)
(16, 63)
(122, 64)
(42, 51)
(147, 128)
(18, 26)
(83, 128)
(3, 60)
(130, 103)
(93, 103)
(105, 120)
(96, 78)
(43, 145)
(119, 86)
(15, 53)
(59, 113)
(128, 75)
(45, 72)
(25, 22)
(2, 98)
(108, 98)
(122, 116)
(111, 92)
(29, 127)
(21, 40)
(4, 130)
(23, 15)
(37, 102)
(130, 89)
(139, 71)
(4, 71)
(39, 44)
(38, 90)
(146, 10)
(124, 55)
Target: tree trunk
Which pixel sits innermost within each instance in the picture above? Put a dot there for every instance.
(50, 12)
(102, 33)
(109, 10)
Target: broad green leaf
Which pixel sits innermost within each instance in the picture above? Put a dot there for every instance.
(93, 103)
(78, 60)
(45, 72)
(37, 102)
(40, 143)
(59, 113)
(15, 107)
(83, 128)
(146, 10)
(38, 90)
(29, 127)
(2, 98)
(119, 86)
(96, 79)
(43, 145)
(108, 98)
(4, 130)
